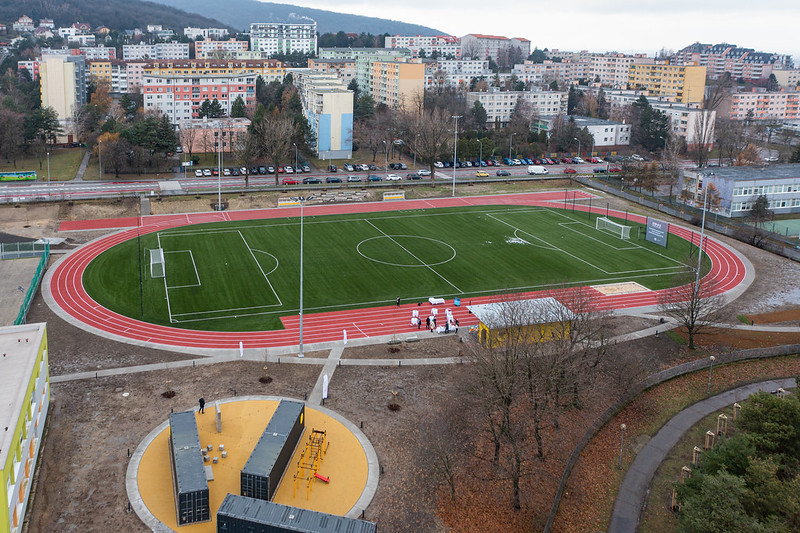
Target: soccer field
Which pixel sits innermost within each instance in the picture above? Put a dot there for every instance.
(243, 276)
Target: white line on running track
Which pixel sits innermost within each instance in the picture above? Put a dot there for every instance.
(411, 254)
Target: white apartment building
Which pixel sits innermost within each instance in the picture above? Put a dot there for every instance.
(562, 72)
(456, 73)
(605, 133)
(443, 45)
(283, 37)
(172, 50)
(789, 78)
(345, 69)
(759, 104)
(741, 63)
(566, 55)
(613, 68)
(23, 24)
(205, 33)
(500, 105)
(63, 86)
(207, 48)
(492, 46)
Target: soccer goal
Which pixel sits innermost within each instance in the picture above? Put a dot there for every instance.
(157, 263)
(621, 230)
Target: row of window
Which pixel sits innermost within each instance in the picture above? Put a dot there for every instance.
(758, 190)
(773, 204)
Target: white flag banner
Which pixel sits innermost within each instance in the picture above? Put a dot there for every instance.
(344, 335)
(325, 386)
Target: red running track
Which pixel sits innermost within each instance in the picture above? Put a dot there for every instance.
(66, 280)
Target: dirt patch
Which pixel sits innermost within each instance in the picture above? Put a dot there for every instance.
(445, 346)
(722, 339)
(788, 315)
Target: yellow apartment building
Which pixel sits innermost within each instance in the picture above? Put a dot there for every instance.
(397, 84)
(681, 83)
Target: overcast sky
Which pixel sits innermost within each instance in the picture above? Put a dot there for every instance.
(621, 25)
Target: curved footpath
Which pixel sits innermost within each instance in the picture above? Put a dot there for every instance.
(633, 491)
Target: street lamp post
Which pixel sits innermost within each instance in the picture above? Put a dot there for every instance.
(300, 352)
(710, 366)
(100, 155)
(579, 145)
(480, 154)
(385, 159)
(219, 169)
(48, 173)
(455, 150)
(295, 157)
(621, 443)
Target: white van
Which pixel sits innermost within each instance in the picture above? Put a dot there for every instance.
(537, 170)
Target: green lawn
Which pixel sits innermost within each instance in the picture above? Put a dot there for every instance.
(64, 163)
(243, 276)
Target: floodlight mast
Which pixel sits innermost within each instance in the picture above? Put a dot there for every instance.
(300, 352)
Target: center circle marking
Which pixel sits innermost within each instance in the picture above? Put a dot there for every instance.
(412, 265)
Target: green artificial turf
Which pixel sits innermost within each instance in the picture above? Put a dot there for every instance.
(243, 276)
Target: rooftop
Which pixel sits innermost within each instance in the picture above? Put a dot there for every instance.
(20, 347)
(521, 312)
(786, 171)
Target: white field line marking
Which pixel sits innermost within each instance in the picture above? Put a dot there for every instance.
(196, 275)
(411, 254)
(550, 244)
(280, 303)
(567, 225)
(166, 288)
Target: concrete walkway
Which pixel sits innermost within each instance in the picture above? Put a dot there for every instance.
(327, 370)
(633, 492)
(82, 168)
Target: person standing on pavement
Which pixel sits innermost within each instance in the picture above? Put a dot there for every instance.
(202, 405)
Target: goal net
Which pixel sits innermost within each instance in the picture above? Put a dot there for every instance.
(621, 230)
(157, 263)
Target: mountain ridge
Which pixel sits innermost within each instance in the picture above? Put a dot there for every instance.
(240, 13)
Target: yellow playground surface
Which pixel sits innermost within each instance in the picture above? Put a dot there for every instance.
(344, 463)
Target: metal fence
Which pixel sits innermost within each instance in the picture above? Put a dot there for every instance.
(37, 279)
(20, 250)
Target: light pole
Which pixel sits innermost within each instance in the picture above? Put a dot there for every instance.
(700, 250)
(710, 366)
(455, 150)
(300, 353)
(579, 145)
(385, 159)
(480, 156)
(100, 155)
(48, 173)
(295, 157)
(621, 442)
(510, 144)
(219, 168)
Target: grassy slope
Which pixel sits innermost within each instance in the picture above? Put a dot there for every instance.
(252, 268)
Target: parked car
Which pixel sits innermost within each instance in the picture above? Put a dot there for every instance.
(288, 169)
(566, 160)
(363, 167)
(234, 171)
(413, 177)
(372, 167)
(578, 160)
(615, 169)
(424, 172)
(599, 170)
(570, 170)
(393, 177)
(331, 168)
(348, 167)
(507, 161)
(637, 157)
(289, 181)
(517, 162)
(306, 168)
(537, 170)
(352, 179)
(280, 170)
(198, 173)
(503, 172)
(312, 180)
(261, 170)
(481, 174)
(332, 179)
(214, 172)
(226, 172)
(206, 172)
(270, 170)
(374, 177)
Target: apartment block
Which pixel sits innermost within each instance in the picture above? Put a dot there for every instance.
(742, 63)
(683, 83)
(566, 71)
(172, 50)
(209, 135)
(428, 46)
(63, 86)
(613, 69)
(269, 69)
(500, 105)
(759, 104)
(788, 78)
(328, 109)
(363, 58)
(605, 133)
(398, 84)
(207, 48)
(345, 69)
(205, 33)
(283, 38)
(114, 72)
(179, 97)
(455, 73)
(24, 401)
(475, 45)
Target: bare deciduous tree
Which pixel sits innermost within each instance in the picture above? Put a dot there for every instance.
(432, 133)
(274, 134)
(695, 304)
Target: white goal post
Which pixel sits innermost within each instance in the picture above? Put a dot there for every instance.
(621, 230)
(157, 263)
